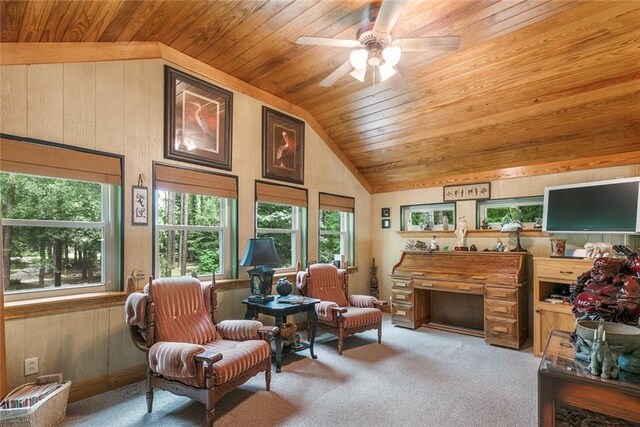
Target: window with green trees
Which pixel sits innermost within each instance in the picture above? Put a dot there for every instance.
(494, 210)
(58, 233)
(282, 223)
(193, 234)
(434, 216)
(336, 235)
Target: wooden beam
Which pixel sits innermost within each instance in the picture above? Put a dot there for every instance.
(620, 159)
(52, 53)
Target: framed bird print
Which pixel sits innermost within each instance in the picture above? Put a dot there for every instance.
(282, 147)
(198, 117)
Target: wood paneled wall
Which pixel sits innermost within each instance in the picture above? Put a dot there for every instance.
(386, 244)
(117, 107)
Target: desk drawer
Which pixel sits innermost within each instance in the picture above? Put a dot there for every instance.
(500, 331)
(562, 270)
(402, 284)
(502, 309)
(402, 296)
(465, 288)
(402, 310)
(501, 294)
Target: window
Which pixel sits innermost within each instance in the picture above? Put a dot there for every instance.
(281, 213)
(195, 227)
(494, 210)
(60, 235)
(437, 216)
(336, 228)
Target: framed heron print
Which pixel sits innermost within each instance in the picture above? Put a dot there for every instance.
(282, 147)
(198, 117)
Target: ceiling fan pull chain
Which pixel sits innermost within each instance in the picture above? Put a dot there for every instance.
(373, 85)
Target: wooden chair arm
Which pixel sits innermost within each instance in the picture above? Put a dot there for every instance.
(138, 339)
(381, 303)
(338, 311)
(208, 356)
(268, 332)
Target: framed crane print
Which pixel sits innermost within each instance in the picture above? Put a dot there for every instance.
(198, 117)
(282, 147)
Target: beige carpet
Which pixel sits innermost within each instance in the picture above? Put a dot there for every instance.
(414, 378)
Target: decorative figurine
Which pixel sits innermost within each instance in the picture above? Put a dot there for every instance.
(473, 248)
(598, 249)
(537, 223)
(445, 223)
(461, 232)
(602, 363)
(499, 246)
(433, 246)
(485, 224)
(428, 222)
(373, 287)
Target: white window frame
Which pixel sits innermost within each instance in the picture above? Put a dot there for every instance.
(296, 234)
(343, 233)
(483, 205)
(223, 230)
(431, 208)
(108, 248)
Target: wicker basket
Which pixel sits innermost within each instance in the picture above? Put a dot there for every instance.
(50, 411)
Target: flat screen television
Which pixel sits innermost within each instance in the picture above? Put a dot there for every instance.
(607, 207)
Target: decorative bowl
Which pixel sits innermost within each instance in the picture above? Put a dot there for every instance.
(624, 338)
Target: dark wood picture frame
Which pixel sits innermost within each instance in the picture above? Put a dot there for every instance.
(282, 147)
(385, 212)
(386, 223)
(198, 121)
(477, 191)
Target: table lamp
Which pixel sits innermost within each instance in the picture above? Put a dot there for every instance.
(260, 253)
(517, 228)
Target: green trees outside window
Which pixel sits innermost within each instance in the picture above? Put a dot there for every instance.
(336, 235)
(282, 223)
(56, 232)
(494, 210)
(191, 234)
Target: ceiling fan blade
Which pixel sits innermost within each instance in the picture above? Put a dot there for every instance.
(322, 41)
(388, 15)
(445, 44)
(339, 72)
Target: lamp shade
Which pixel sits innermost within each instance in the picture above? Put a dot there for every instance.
(386, 71)
(261, 251)
(391, 55)
(358, 58)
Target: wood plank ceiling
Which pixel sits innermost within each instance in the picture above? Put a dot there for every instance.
(533, 82)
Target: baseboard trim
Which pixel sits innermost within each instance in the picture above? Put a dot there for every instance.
(103, 383)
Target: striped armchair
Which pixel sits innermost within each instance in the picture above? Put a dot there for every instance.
(188, 352)
(338, 313)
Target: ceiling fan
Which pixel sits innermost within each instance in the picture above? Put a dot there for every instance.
(374, 45)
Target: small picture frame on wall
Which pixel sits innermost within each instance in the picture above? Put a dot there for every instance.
(386, 212)
(139, 205)
(386, 223)
(479, 191)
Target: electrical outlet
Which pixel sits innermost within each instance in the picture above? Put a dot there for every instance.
(31, 366)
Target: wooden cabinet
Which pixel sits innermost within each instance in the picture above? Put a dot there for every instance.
(552, 275)
(476, 293)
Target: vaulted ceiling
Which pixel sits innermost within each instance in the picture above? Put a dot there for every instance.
(534, 82)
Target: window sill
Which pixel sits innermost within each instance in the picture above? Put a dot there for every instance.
(63, 304)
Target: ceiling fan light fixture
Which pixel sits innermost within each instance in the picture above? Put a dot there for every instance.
(359, 74)
(358, 58)
(386, 71)
(391, 55)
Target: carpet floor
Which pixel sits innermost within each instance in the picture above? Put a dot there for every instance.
(414, 378)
